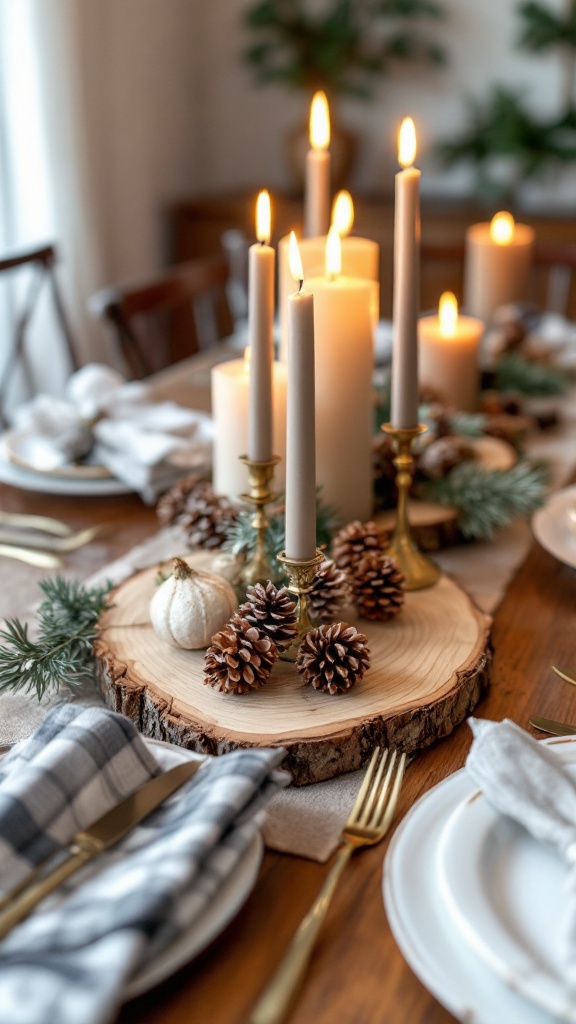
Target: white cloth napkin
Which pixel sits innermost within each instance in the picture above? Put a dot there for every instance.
(147, 445)
(71, 962)
(526, 781)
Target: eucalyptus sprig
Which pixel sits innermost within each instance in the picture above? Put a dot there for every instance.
(61, 655)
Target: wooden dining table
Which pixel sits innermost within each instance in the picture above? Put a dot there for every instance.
(357, 974)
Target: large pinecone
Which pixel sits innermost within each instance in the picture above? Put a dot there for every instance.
(206, 517)
(240, 658)
(171, 503)
(378, 587)
(330, 591)
(272, 610)
(354, 541)
(333, 657)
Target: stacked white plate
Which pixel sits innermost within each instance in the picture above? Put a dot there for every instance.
(478, 907)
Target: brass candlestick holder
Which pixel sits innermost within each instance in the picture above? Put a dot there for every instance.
(301, 577)
(419, 570)
(260, 474)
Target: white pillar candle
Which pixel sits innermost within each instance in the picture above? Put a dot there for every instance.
(448, 355)
(300, 427)
(317, 185)
(497, 265)
(344, 407)
(406, 297)
(230, 402)
(261, 268)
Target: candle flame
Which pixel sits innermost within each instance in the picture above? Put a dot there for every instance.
(294, 259)
(333, 254)
(343, 213)
(263, 217)
(407, 143)
(319, 122)
(502, 228)
(448, 314)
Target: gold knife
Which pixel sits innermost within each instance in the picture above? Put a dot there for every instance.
(555, 728)
(100, 836)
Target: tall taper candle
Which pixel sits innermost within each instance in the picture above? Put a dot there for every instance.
(406, 300)
(300, 427)
(261, 270)
(317, 188)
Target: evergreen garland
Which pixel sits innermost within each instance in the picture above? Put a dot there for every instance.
(62, 653)
(488, 500)
(514, 373)
(241, 536)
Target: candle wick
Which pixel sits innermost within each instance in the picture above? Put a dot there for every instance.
(300, 283)
(261, 241)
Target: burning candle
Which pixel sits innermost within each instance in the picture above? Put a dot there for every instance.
(344, 362)
(448, 355)
(317, 189)
(497, 264)
(406, 298)
(300, 426)
(261, 269)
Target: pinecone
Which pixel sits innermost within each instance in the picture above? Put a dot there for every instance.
(172, 502)
(378, 587)
(353, 541)
(206, 517)
(330, 591)
(240, 657)
(272, 610)
(439, 457)
(333, 657)
(383, 470)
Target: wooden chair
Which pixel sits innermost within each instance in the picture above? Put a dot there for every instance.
(40, 263)
(554, 277)
(169, 317)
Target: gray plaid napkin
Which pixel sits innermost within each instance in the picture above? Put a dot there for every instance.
(71, 962)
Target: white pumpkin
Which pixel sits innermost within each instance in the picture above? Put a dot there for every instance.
(190, 606)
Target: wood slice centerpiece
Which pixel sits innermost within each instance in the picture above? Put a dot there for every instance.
(429, 669)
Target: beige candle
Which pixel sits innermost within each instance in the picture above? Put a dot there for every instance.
(344, 409)
(448, 355)
(317, 188)
(406, 297)
(230, 403)
(261, 269)
(497, 265)
(300, 426)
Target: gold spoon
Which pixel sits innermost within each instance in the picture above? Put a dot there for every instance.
(563, 675)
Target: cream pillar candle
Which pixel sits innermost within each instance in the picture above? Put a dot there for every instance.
(406, 297)
(300, 421)
(261, 269)
(344, 408)
(448, 355)
(230, 401)
(317, 186)
(497, 265)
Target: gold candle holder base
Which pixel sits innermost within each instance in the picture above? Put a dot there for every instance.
(300, 576)
(260, 474)
(419, 570)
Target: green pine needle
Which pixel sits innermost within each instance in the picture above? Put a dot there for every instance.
(62, 653)
(514, 373)
(488, 500)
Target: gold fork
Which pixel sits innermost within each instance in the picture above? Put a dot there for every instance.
(367, 824)
(59, 545)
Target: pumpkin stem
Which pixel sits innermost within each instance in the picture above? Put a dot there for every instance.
(182, 570)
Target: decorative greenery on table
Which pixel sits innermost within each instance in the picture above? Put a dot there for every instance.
(515, 373)
(241, 537)
(61, 655)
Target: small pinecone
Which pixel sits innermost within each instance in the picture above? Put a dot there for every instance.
(378, 587)
(240, 658)
(206, 517)
(330, 591)
(333, 657)
(383, 471)
(172, 503)
(272, 610)
(439, 457)
(355, 540)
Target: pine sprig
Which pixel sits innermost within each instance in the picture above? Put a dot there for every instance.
(488, 500)
(61, 655)
(241, 535)
(514, 373)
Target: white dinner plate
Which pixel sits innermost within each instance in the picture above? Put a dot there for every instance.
(425, 931)
(506, 894)
(555, 527)
(220, 910)
(44, 483)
